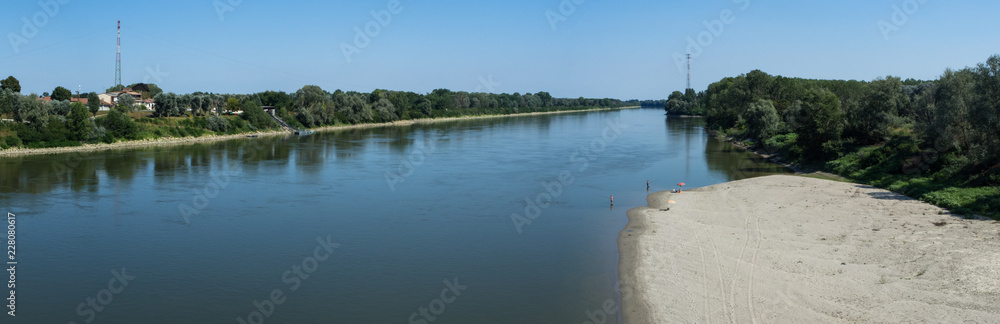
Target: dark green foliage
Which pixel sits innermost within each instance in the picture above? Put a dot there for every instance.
(166, 105)
(818, 121)
(10, 83)
(869, 122)
(9, 102)
(80, 125)
(93, 103)
(934, 140)
(255, 115)
(762, 120)
(120, 125)
(61, 93)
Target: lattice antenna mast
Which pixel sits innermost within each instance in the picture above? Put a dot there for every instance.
(118, 57)
(689, 72)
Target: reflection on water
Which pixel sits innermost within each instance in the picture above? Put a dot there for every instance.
(448, 216)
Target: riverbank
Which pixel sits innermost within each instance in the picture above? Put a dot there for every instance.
(792, 249)
(170, 141)
(777, 158)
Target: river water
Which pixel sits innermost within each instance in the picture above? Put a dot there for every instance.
(494, 220)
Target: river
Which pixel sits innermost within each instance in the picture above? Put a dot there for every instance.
(493, 220)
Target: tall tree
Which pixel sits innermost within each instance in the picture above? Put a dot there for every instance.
(869, 122)
(819, 122)
(79, 122)
(93, 103)
(10, 83)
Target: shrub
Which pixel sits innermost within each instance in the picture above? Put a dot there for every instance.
(218, 124)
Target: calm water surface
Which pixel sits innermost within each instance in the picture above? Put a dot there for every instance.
(211, 231)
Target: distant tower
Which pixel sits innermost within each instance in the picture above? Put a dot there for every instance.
(118, 58)
(689, 72)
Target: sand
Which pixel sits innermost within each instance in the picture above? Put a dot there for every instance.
(789, 249)
(170, 141)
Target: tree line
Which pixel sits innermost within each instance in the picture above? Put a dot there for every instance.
(936, 140)
(62, 123)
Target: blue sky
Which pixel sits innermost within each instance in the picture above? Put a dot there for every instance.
(618, 49)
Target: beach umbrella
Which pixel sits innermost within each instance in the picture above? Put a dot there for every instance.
(681, 184)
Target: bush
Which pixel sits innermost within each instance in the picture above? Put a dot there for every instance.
(120, 125)
(12, 141)
(217, 124)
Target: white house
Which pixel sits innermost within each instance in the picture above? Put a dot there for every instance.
(111, 99)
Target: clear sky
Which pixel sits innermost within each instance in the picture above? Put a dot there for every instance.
(618, 49)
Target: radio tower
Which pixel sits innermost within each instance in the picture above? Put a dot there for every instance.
(689, 71)
(118, 58)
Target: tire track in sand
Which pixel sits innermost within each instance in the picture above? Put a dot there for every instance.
(752, 216)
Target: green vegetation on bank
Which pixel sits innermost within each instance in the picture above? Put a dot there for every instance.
(31, 123)
(938, 141)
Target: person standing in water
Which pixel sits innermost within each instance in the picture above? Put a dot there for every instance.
(647, 185)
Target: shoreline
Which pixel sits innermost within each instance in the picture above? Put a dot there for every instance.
(174, 141)
(777, 158)
(805, 250)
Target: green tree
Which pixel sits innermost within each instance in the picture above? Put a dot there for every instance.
(310, 96)
(232, 104)
(985, 117)
(79, 122)
(128, 101)
(61, 93)
(869, 122)
(11, 84)
(120, 125)
(58, 107)
(762, 120)
(254, 114)
(31, 110)
(8, 102)
(93, 103)
(819, 122)
(954, 99)
(386, 110)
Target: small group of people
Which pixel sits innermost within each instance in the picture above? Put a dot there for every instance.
(647, 190)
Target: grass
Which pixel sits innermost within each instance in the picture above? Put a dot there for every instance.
(942, 185)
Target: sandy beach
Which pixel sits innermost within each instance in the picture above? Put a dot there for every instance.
(169, 141)
(790, 249)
